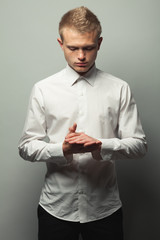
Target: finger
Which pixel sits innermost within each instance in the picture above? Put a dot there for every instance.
(81, 139)
(72, 135)
(76, 141)
(73, 128)
(76, 137)
(93, 143)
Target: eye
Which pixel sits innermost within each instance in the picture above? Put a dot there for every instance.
(89, 48)
(72, 48)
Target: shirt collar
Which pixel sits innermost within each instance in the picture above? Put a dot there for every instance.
(72, 76)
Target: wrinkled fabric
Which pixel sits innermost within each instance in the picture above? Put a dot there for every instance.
(81, 188)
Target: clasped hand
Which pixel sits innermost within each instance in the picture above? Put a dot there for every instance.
(79, 142)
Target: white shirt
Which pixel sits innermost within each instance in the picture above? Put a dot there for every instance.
(81, 188)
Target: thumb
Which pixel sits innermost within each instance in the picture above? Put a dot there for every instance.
(73, 128)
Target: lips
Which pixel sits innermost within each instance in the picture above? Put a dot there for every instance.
(81, 64)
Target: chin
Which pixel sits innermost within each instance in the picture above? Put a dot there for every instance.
(81, 70)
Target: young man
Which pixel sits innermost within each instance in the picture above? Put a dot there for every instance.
(91, 121)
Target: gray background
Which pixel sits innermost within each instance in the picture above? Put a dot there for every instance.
(29, 53)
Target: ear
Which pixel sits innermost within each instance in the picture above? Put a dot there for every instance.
(60, 42)
(99, 42)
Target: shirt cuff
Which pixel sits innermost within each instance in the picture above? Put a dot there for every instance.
(107, 149)
(57, 155)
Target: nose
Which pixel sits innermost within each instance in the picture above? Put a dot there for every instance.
(81, 55)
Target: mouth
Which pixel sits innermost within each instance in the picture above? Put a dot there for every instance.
(81, 64)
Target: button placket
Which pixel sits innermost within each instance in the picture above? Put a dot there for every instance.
(81, 104)
(81, 88)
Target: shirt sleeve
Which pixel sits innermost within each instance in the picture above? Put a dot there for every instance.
(32, 145)
(130, 141)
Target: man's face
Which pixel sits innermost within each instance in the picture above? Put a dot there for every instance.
(80, 49)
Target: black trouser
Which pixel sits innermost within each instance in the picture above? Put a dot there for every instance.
(52, 228)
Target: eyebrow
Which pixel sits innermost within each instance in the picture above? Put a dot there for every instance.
(87, 46)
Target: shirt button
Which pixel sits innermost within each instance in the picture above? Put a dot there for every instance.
(81, 94)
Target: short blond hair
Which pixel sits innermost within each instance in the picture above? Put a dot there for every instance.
(82, 19)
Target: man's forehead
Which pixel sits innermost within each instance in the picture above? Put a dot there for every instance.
(75, 32)
(76, 37)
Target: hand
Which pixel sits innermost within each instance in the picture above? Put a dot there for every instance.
(79, 142)
(71, 148)
(81, 138)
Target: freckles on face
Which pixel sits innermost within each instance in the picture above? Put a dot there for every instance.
(80, 49)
